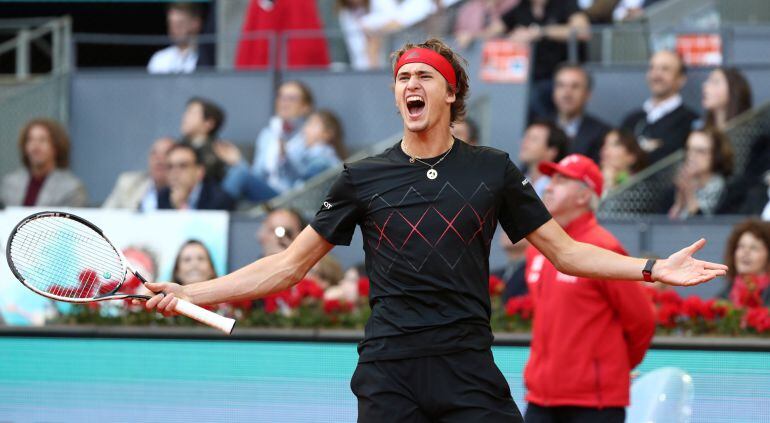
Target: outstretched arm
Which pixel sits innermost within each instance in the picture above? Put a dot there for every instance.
(262, 277)
(589, 261)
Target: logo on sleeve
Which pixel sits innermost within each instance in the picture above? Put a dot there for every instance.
(327, 205)
(525, 182)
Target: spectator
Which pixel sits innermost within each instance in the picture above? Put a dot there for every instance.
(188, 187)
(350, 13)
(278, 230)
(513, 272)
(700, 183)
(45, 179)
(726, 94)
(349, 287)
(572, 90)
(614, 321)
(138, 190)
(547, 25)
(324, 145)
(386, 17)
(201, 123)
(757, 199)
(621, 157)
(466, 130)
(193, 264)
(327, 273)
(663, 124)
(747, 255)
(184, 21)
(473, 17)
(543, 142)
(256, 50)
(281, 150)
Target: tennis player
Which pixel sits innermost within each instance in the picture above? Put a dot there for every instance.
(428, 208)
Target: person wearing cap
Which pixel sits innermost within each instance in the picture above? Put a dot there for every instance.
(428, 207)
(588, 334)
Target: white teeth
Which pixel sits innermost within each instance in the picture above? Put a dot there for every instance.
(414, 98)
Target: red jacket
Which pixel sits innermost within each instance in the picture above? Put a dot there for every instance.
(587, 334)
(302, 51)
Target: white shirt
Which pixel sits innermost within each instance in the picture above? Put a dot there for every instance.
(571, 127)
(625, 6)
(655, 112)
(173, 60)
(355, 38)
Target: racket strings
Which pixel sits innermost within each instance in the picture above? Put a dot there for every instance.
(65, 258)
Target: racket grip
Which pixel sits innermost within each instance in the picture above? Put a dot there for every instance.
(205, 316)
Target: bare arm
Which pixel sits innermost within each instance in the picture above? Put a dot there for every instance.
(589, 261)
(577, 23)
(258, 279)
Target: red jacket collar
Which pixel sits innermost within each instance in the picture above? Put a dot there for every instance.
(581, 224)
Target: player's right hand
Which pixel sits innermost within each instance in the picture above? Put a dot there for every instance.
(166, 296)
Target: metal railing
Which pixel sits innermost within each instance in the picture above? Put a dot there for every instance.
(33, 32)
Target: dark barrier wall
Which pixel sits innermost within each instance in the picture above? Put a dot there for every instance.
(114, 117)
(655, 236)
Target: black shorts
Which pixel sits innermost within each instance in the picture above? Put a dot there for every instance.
(461, 387)
(538, 414)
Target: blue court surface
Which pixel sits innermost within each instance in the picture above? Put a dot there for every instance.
(129, 380)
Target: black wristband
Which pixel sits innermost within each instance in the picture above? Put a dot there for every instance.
(647, 271)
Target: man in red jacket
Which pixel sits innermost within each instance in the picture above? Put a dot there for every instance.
(588, 334)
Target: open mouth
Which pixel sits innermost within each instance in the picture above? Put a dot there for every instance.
(415, 105)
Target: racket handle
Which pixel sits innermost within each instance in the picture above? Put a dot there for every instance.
(205, 316)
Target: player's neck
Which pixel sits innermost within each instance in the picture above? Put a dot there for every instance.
(429, 143)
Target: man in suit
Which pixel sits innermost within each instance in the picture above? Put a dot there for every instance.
(571, 92)
(45, 179)
(664, 122)
(188, 187)
(138, 190)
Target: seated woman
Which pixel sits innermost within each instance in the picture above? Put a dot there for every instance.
(619, 158)
(700, 182)
(725, 95)
(45, 179)
(322, 147)
(193, 264)
(749, 264)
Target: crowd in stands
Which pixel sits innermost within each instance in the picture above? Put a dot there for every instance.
(198, 170)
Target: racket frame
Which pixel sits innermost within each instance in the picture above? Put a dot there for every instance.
(223, 324)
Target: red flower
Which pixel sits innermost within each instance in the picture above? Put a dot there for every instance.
(521, 306)
(719, 309)
(363, 286)
(270, 304)
(669, 296)
(693, 307)
(307, 288)
(666, 314)
(757, 318)
(242, 304)
(336, 306)
(496, 286)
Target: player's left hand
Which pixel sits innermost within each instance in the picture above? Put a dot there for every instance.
(682, 269)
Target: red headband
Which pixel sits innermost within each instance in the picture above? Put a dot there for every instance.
(430, 58)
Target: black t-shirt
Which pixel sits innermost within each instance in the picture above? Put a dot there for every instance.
(548, 53)
(427, 243)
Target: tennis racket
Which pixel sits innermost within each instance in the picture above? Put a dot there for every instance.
(67, 258)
